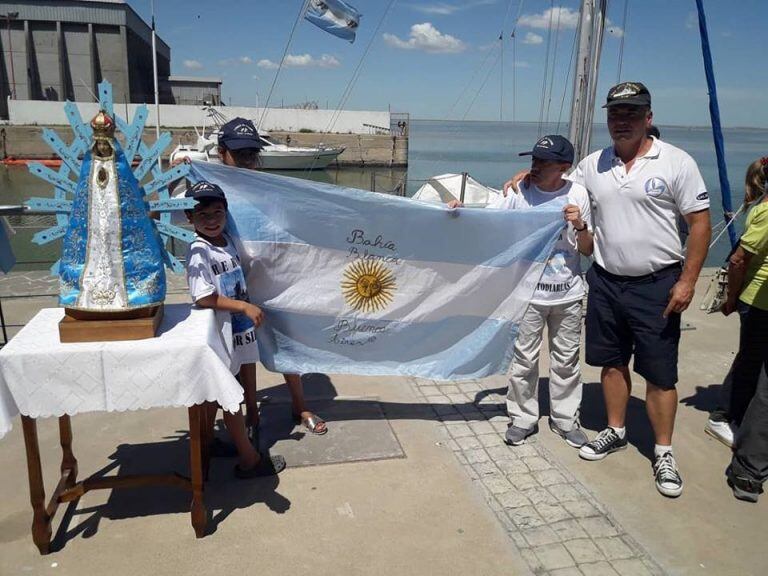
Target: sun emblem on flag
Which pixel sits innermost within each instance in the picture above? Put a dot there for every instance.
(368, 286)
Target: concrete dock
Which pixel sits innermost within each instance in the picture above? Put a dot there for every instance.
(412, 478)
(375, 150)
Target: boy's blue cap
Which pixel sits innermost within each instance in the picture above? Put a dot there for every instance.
(205, 190)
(552, 147)
(238, 134)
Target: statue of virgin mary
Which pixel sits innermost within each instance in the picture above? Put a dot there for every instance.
(112, 257)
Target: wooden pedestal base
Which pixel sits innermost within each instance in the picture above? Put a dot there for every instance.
(77, 327)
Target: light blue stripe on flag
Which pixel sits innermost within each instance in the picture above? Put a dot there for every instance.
(335, 17)
(7, 258)
(364, 283)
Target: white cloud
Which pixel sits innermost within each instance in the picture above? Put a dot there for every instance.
(302, 61)
(563, 18)
(446, 9)
(691, 21)
(235, 61)
(267, 64)
(193, 65)
(427, 38)
(532, 38)
(569, 19)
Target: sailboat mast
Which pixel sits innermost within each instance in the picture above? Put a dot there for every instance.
(590, 39)
(717, 131)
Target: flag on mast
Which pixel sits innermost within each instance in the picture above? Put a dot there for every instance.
(334, 16)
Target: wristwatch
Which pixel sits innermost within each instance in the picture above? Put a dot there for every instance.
(581, 229)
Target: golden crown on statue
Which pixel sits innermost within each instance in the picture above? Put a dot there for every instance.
(103, 126)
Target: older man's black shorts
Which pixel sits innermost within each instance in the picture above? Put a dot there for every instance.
(624, 317)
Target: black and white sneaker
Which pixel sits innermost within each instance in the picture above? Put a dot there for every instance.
(605, 443)
(668, 480)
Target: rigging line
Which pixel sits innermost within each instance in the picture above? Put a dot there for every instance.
(514, 65)
(487, 76)
(471, 81)
(517, 18)
(567, 77)
(554, 60)
(623, 36)
(501, 76)
(506, 16)
(282, 60)
(356, 74)
(487, 72)
(546, 66)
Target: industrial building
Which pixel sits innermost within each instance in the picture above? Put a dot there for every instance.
(61, 49)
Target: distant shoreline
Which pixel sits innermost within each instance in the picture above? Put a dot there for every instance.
(534, 122)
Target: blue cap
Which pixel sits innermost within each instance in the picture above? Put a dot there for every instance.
(552, 147)
(205, 190)
(238, 134)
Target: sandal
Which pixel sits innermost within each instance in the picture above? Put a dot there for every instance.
(313, 423)
(267, 466)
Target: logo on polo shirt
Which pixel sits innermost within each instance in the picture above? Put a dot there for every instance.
(655, 187)
(702, 196)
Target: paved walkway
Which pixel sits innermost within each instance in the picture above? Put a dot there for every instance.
(558, 525)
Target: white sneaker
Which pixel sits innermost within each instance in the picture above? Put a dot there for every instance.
(722, 431)
(668, 480)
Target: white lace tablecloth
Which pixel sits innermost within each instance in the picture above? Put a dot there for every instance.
(186, 364)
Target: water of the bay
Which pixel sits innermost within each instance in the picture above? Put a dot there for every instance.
(486, 150)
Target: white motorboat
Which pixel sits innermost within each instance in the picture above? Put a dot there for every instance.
(274, 156)
(446, 187)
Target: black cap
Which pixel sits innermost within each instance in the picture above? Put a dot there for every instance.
(205, 190)
(628, 93)
(238, 134)
(552, 147)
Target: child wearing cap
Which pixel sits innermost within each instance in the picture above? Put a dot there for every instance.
(216, 281)
(239, 146)
(556, 302)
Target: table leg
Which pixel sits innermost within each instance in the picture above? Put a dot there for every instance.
(68, 460)
(198, 510)
(41, 522)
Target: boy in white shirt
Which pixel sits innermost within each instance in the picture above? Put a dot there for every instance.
(216, 281)
(556, 302)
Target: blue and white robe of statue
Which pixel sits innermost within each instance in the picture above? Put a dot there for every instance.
(112, 256)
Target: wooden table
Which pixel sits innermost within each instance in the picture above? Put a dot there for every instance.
(69, 489)
(41, 377)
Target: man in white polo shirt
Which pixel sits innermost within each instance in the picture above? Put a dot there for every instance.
(642, 279)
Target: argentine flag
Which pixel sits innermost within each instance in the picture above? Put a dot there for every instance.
(334, 16)
(355, 282)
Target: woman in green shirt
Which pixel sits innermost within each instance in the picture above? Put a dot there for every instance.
(748, 286)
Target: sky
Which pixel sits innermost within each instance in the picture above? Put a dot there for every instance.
(442, 59)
